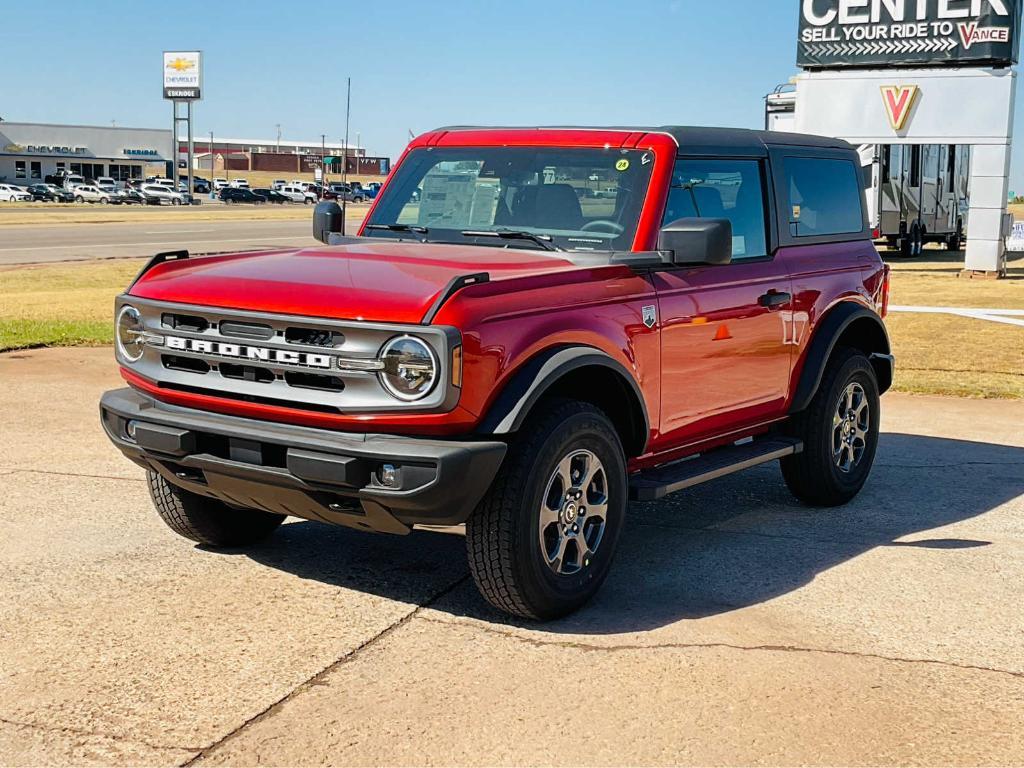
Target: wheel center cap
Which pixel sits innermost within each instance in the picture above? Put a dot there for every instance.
(569, 512)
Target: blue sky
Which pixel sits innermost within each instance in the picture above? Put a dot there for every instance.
(414, 65)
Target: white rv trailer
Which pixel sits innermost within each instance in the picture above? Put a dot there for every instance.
(916, 193)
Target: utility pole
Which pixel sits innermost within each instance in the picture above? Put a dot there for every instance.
(278, 138)
(323, 165)
(191, 157)
(212, 190)
(344, 154)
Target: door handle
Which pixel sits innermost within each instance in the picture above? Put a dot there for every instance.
(774, 299)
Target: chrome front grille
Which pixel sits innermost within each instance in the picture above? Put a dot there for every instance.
(283, 359)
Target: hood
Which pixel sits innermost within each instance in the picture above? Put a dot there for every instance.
(376, 282)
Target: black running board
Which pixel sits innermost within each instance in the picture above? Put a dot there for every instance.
(655, 484)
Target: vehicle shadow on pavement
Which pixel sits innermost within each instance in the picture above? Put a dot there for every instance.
(733, 543)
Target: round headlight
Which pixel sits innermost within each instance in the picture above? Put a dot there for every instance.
(410, 368)
(130, 333)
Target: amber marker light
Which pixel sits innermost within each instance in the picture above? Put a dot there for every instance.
(457, 366)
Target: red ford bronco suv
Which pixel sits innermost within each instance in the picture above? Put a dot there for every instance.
(531, 328)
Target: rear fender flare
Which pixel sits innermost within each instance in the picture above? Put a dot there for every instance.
(827, 335)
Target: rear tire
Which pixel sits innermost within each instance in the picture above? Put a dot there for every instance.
(955, 242)
(839, 430)
(208, 521)
(79, 199)
(541, 542)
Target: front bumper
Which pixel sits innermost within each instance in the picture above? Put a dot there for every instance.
(316, 474)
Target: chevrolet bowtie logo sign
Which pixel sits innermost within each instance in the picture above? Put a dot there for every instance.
(181, 65)
(899, 100)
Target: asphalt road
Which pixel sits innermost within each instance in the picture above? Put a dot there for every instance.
(29, 244)
(737, 627)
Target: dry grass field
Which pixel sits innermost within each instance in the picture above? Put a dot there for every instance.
(945, 354)
(69, 304)
(61, 304)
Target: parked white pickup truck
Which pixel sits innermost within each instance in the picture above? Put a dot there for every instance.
(297, 194)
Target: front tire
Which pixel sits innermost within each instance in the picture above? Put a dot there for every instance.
(839, 430)
(541, 542)
(208, 521)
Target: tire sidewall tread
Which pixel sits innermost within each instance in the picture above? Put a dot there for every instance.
(502, 534)
(812, 475)
(206, 520)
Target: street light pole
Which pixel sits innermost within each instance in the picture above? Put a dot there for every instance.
(278, 138)
(344, 155)
(211, 166)
(323, 165)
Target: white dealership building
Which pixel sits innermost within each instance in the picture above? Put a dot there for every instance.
(29, 152)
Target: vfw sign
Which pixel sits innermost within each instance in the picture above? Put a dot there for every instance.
(879, 33)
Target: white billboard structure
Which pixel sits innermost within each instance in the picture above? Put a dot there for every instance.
(925, 74)
(927, 106)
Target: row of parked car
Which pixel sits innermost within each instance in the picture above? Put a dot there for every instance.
(156, 190)
(143, 194)
(308, 193)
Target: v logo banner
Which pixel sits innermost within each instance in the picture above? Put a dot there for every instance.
(899, 99)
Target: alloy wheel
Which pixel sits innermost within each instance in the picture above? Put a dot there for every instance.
(573, 513)
(850, 425)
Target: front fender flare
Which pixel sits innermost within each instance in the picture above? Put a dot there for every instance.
(529, 384)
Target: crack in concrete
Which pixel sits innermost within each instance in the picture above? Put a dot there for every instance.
(317, 679)
(590, 647)
(16, 470)
(955, 466)
(95, 734)
(727, 532)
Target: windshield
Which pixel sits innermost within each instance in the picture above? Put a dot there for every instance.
(572, 198)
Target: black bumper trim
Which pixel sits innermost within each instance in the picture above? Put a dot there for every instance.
(312, 473)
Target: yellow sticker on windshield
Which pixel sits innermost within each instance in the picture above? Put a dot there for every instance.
(621, 165)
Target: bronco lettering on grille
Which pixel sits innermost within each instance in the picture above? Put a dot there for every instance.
(246, 352)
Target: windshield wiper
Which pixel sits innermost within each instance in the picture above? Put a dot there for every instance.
(402, 228)
(544, 241)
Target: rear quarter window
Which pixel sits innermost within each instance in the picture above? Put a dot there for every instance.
(824, 197)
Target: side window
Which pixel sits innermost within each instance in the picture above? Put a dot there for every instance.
(722, 189)
(915, 165)
(825, 197)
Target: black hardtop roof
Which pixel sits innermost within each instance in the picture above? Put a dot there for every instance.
(691, 137)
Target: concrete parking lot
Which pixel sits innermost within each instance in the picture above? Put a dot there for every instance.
(737, 627)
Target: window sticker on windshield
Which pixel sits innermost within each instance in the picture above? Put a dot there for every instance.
(796, 211)
(645, 158)
(621, 164)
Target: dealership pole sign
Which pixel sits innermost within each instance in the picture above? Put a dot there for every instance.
(183, 75)
(908, 33)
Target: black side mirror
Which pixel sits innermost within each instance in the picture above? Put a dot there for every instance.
(326, 220)
(697, 241)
